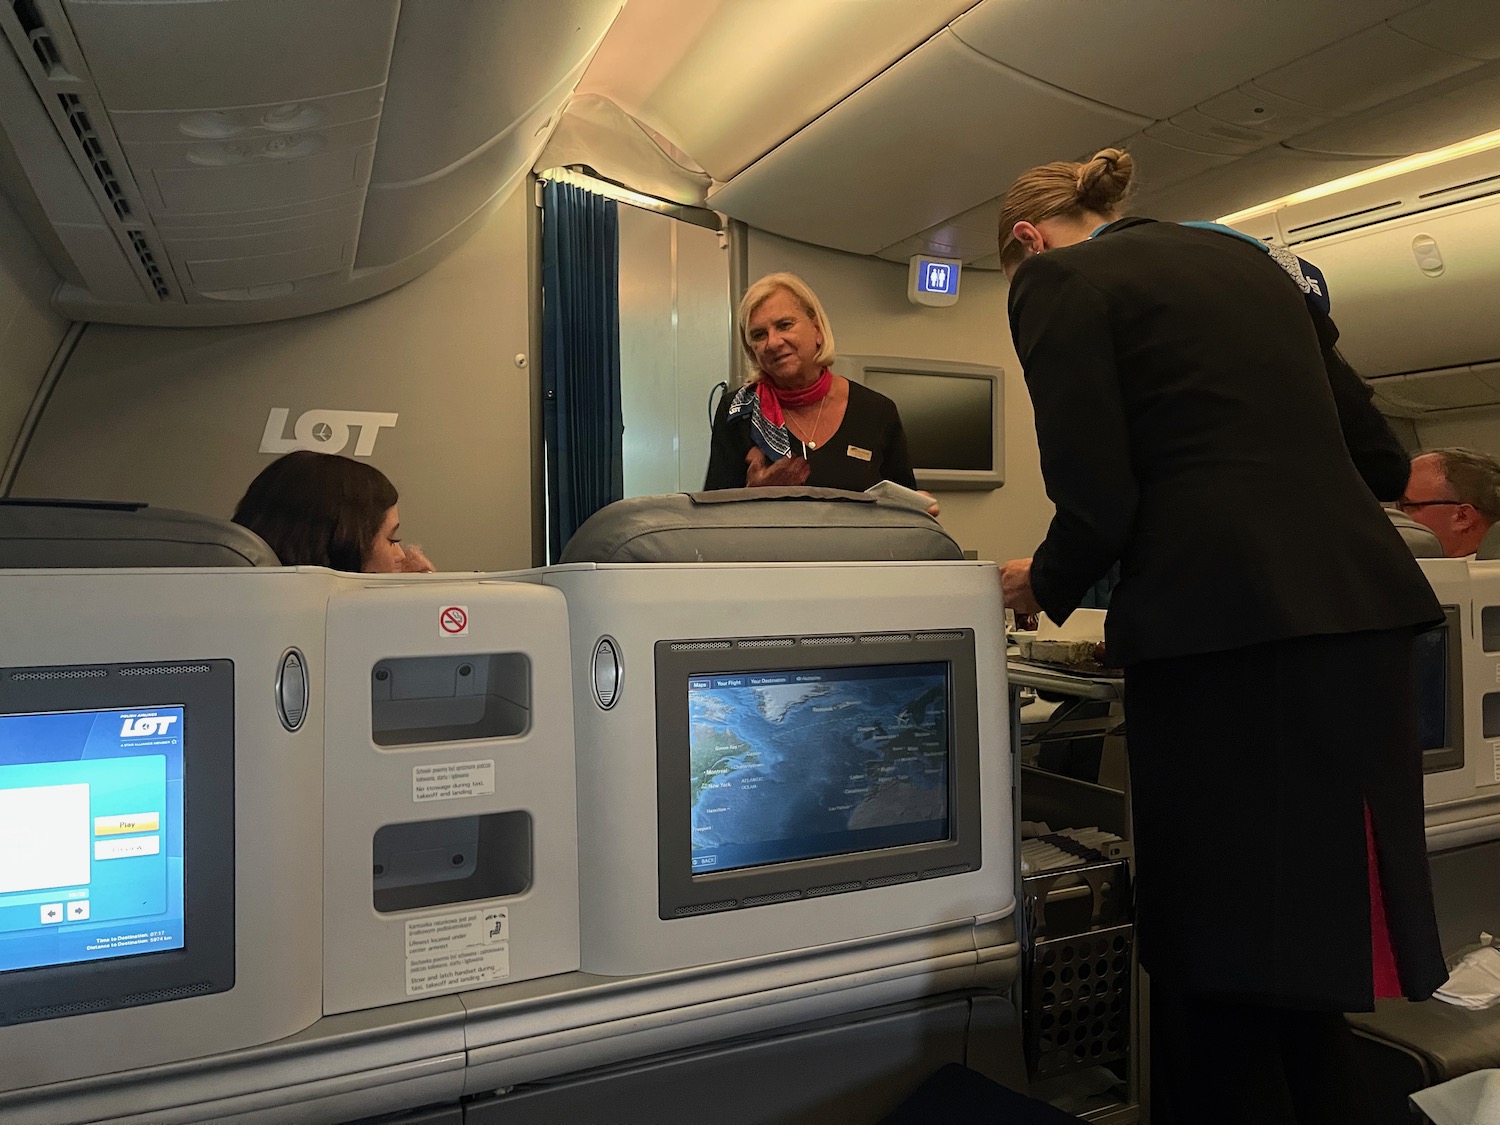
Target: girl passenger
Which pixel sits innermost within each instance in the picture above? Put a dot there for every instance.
(321, 509)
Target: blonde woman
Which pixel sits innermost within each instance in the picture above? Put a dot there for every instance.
(795, 421)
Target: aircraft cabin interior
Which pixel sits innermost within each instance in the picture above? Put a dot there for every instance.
(645, 803)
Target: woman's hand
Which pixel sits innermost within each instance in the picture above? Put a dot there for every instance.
(934, 509)
(1015, 586)
(413, 561)
(760, 473)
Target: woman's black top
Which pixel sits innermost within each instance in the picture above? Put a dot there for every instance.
(868, 446)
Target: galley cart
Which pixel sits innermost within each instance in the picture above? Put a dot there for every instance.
(1080, 1004)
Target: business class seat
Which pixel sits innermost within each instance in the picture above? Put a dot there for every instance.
(758, 525)
(1489, 546)
(1420, 540)
(89, 534)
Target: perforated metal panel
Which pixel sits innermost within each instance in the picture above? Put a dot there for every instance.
(1078, 1001)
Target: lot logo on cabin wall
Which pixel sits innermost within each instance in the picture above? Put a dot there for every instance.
(326, 431)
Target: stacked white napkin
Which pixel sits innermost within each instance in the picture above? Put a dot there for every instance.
(1475, 981)
(1471, 1099)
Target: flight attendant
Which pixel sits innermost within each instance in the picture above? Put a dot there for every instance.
(794, 421)
(1196, 425)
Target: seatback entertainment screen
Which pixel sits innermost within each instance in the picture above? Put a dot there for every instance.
(796, 764)
(91, 841)
(117, 841)
(803, 766)
(1439, 683)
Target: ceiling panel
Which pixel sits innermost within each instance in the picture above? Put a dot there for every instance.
(1362, 71)
(1264, 175)
(169, 54)
(1467, 105)
(942, 131)
(970, 235)
(728, 80)
(1272, 117)
(1158, 57)
(448, 98)
(1464, 27)
(1159, 165)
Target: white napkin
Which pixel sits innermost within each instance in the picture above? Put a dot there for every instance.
(1082, 625)
(1475, 981)
(1472, 1099)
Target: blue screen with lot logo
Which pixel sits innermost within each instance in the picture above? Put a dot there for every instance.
(91, 841)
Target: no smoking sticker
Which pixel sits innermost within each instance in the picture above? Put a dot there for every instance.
(453, 621)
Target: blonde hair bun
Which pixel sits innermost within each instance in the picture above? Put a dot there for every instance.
(1105, 180)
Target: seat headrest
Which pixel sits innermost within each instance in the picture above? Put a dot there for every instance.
(760, 525)
(90, 534)
(1489, 546)
(1419, 540)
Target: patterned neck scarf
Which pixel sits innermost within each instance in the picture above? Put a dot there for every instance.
(764, 404)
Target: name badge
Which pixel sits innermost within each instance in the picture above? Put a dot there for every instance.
(859, 454)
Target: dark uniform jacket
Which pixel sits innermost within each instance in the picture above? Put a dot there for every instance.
(1197, 425)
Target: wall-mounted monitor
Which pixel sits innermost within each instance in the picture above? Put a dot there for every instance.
(953, 415)
(116, 836)
(1440, 694)
(792, 768)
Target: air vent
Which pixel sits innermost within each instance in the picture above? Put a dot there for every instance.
(768, 642)
(701, 646)
(767, 900)
(820, 642)
(35, 26)
(886, 639)
(706, 908)
(181, 992)
(53, 1011)
(833, 889)
(1334, 220)
(939, 872)
(166, 670)
(1453, 189)
(892, 880)
(142, 250)
(950, 635)
(60, 674)
(78, 117)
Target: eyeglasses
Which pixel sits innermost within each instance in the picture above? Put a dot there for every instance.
(1409, 505)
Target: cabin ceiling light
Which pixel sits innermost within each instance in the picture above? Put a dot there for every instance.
(1370, 176)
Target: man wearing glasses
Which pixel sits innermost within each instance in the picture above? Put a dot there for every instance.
(1456, 494)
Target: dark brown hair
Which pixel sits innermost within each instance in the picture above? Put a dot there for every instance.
(317, 509)
(1064, 188)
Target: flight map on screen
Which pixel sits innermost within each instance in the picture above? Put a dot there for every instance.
(790, 765)
(91, 835)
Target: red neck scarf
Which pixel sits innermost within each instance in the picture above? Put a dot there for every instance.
(773, 399)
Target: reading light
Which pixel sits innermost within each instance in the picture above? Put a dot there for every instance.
(1371, 175)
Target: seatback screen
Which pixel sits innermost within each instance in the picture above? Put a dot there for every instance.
(91, 835)
(804, 763)
(1431, 658)
(948, 419)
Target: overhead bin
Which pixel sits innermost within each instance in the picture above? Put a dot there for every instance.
(1413, 263)
(1397, 316)
(229, 161)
